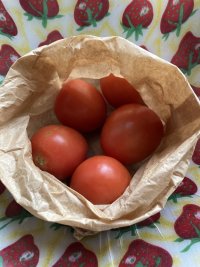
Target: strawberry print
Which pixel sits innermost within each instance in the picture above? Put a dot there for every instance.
(186, 188)
(88, 12)
(137, 15)
(7, 25)
(22, 253)
(187, 226)
(133, 228)
(196, 153)
(8, 56)
(144, 47)
(76, 255)
(196, 90)
(2, 189)
(14, 212)
(41, 9)
(150, 221)
(143, 254)
(175, 14)
(52, 37)
(188, 53)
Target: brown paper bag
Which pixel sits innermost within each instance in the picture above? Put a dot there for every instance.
(26, 101)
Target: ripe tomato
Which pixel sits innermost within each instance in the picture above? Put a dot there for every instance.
(58, 150)
(100, 179)
(119, 91)
(131, 133)
(80, 106)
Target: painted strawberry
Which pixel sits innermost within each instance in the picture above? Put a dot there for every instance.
(52, 37)
(8, 56)
(187, 226)
(175, 14)
(144, 254)
(77, 255)
(7, 25)
(41, 9)
(196, 153)
(150, 221)
(22, 253)
(2, 188)
(196, 90)
(137, 15)
(188, 53)
(14, 212)
(88, 12)
(186, 188)
(134, 228)
(144, 47)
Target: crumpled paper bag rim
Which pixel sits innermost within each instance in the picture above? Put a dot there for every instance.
(92, 57)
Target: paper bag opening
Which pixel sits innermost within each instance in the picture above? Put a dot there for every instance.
(27, 98)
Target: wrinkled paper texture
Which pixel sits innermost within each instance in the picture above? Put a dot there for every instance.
(26, 103)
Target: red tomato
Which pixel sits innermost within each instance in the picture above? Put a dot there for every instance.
(58, 150)
(131, 133)
(100, 179)
(80, 106)
(119, 91)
